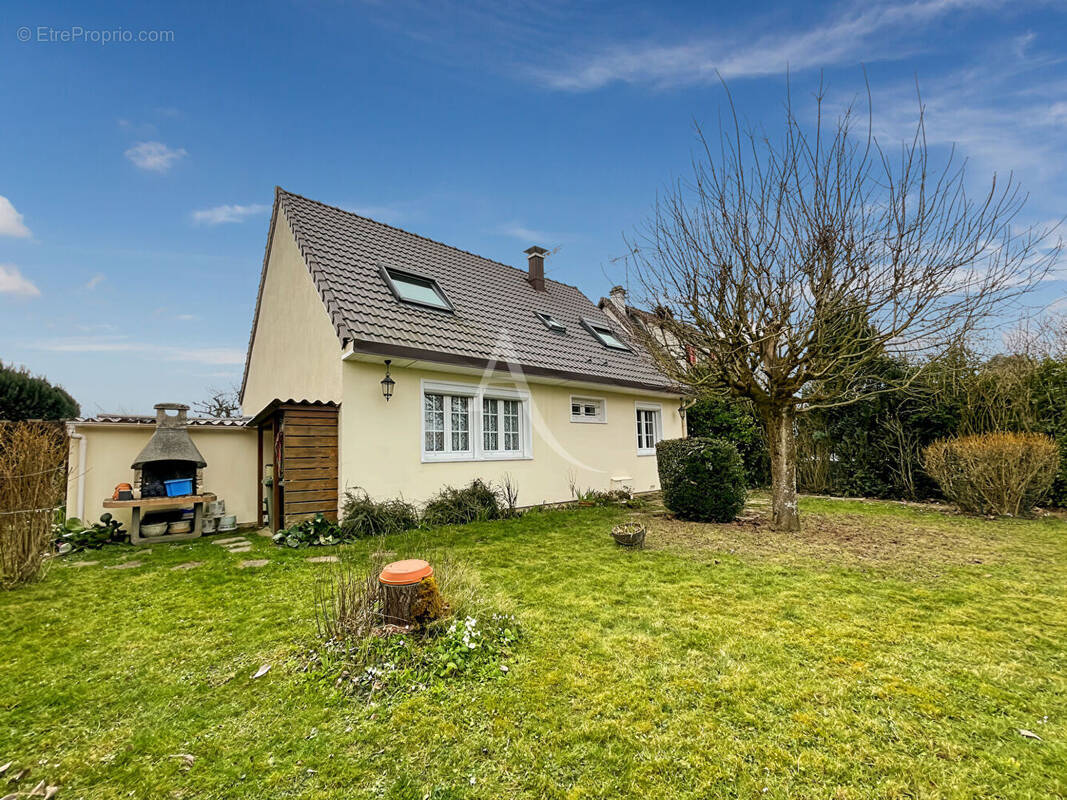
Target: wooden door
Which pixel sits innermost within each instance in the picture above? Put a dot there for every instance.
(308, 462)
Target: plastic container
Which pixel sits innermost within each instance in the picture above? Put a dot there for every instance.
(405, 573)
(179, 487)
(153, 529)
(181, 526)
(207, 525)
(228, 522)
(216, 508)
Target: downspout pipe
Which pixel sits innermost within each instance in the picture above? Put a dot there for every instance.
(82, 447)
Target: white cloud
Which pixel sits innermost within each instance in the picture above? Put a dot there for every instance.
(95, 281)
(11, 223)
(528, 235)
(13, 282)
(228, 213)
(117, 344)
(154, 156)
(859, 33)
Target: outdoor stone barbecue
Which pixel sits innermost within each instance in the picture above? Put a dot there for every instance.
(169, 455)
(167, 474)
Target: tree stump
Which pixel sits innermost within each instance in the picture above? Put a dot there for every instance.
(409, 593)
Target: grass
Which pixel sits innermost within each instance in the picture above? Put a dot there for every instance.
(889, 651)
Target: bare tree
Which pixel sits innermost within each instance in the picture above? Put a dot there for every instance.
(787, 263)
(223, 403)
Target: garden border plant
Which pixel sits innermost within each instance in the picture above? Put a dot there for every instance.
(994, 473)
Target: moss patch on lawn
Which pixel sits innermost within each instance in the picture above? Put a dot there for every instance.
(719, 662)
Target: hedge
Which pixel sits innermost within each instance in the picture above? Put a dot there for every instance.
(702, 479)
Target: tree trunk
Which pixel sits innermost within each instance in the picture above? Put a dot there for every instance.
(782, 444)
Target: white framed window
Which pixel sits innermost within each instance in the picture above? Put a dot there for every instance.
(649, 417)
(588, 409)
(468, 422)
(501, 427)
(446, 425)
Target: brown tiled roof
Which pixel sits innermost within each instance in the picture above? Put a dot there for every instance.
(150, 419)
(494, 319)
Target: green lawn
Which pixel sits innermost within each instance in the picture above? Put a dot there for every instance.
(886, 652)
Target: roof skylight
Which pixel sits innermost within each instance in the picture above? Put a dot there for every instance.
(604, 334)
(551, 322)
(416, 289)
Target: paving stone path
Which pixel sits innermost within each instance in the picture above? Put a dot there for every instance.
(256, 562)
(82, 563)
(324, 559)
(187, 565)
(125, 565)
(234, 544)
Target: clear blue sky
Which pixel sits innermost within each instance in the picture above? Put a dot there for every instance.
(136, 177)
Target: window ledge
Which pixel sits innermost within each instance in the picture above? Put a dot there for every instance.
(428, 459)
(646, 452)
(589, 421)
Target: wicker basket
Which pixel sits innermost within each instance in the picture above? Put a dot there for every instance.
(629, 534)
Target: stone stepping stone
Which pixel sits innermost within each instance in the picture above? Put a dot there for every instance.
(187, 565)
(82, 563)
(126, 565)
(324, 559)
(231, 540)
(256, 562)
(245, 549)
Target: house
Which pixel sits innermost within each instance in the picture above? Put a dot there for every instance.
(384, 360)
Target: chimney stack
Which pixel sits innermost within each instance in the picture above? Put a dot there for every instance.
(617, 295)
(537, 266)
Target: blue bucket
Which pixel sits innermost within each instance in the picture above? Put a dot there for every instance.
(179, 487)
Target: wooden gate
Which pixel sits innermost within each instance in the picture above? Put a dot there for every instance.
(304, 461)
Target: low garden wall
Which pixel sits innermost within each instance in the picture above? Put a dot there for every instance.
(110, 448)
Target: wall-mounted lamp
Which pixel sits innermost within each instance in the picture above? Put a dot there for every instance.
(681, 407)
(387, 382)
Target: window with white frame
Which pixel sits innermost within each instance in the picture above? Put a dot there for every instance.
(446, 424)
(587, 409)
(501, 426)
(649, 428)
(453, 430)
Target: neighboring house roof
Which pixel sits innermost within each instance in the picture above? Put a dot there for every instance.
(150, 419)
(494, 320)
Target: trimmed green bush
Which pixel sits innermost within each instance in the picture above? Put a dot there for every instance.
(719, 416)
(701, 479)
(362, 516)
(24, 396)
(475, 502)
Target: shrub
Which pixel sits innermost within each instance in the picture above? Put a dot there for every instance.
(315, 531)
(24, 396)
(475, 502)
(73, 535)
(701, 479)
(362, 516)
(720, 416)
(994, 473)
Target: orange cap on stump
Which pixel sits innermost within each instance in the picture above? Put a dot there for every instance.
(405, 573)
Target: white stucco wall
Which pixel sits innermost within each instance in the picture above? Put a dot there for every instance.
(230, 473)
(295, 353)
(381, 443)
